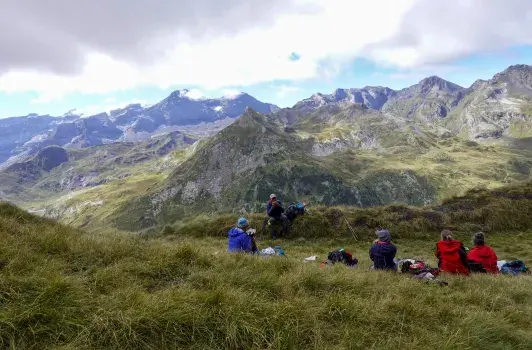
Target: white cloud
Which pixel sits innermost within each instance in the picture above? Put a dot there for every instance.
(195, 94)
(110, 100)
(231, 92)
(325, 35)
(439, 31)
(285, 90)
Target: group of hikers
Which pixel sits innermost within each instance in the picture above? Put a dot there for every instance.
(242, 238)
(452, 256)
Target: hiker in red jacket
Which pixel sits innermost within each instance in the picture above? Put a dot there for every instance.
(482, 254)
(451, 254)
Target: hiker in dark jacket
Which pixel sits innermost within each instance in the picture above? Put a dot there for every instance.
(241, 239)
(451, 254)
(383, 252)
(275, 211)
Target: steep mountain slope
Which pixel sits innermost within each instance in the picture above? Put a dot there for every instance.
(497, 107)
(179, 109)
(334, 129)
(238, 168)
(55, 170)
(15, 132)
(370, 96)
(488, 110)
(428, 101)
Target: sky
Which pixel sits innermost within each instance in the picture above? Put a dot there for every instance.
(98, 55)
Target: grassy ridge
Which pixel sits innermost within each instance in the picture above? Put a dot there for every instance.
(63, 288)
(502, 210)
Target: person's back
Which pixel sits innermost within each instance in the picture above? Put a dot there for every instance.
(238, 239)
(482, 254)
(382, 253)
(451, 254)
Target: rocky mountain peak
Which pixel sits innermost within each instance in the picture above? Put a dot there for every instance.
(518, 68)
(436, 83)
(478, 84)
(519, 76)
(182, 94)
(249, 115)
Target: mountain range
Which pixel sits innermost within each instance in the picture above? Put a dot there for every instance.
(23, 136)
(361, 147)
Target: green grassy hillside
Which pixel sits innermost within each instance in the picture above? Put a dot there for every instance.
(238, 168)
(64, 288)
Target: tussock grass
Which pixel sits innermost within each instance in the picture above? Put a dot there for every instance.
(63, 288)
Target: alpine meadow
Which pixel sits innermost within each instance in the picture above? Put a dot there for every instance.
(169, 210)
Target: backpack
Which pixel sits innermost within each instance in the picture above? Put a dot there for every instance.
(514, 268)
(343, 257)
(335, 256)
(416, 267)
(476, 267)
(294, 210)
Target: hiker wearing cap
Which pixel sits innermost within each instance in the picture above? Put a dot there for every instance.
(241, 238)
(275, 211)
(451, 254)
(482, 254)
(382, 252)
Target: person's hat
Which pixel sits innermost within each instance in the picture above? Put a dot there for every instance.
(272, 196)
(384, 235)
(242, 222)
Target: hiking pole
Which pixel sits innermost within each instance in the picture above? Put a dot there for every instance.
(350, 228)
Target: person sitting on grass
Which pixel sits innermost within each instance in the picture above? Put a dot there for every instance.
(382, 252)
(482, 254)
(451, 254)
(242, 238)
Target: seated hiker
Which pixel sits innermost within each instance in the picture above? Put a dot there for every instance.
(275, 212)
(451, 254)
(241, 238)
(482, 254)
(382, 252)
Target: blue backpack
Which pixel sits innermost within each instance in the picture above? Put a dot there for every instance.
(514, 268)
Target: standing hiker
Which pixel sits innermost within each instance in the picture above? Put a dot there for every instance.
(482, 254)
(451, 254)
(382, 252)
(241, 238)
(275, 212)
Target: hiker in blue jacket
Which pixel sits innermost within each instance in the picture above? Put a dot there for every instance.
(383, 252)
(241, 239)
